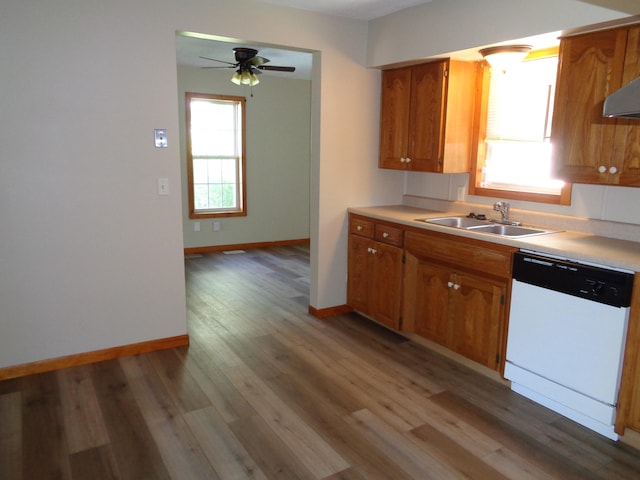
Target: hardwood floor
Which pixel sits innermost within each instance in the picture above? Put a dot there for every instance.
(265, 391)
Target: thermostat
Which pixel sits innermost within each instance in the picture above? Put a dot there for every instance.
(161, 137)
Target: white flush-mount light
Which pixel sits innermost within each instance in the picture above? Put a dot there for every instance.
(504, 56)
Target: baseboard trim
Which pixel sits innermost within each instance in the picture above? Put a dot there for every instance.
(92, 357)
(329, 312)
(243, 246)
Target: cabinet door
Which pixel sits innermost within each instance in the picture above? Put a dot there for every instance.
(431, 309)
(359, 273)
(394, 117)
(426, 119)
(477, 313)
(387, 284)
(590, 68)
(627, 141)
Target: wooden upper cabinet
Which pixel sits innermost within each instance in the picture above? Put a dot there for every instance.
(394, 120)
(587, 147)
(427, 116)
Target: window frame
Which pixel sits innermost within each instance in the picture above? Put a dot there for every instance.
(478, 153)
(241, 184)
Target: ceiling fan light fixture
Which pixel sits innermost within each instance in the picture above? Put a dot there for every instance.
(236, 78)
(504, 56)
(245, 77)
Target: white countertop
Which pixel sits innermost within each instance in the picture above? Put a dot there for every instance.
(579, 246)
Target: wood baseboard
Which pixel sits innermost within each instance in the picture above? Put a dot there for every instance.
(244, 246)
(92, 357)
(329, 312)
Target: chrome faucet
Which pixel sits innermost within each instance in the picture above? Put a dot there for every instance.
(503, 208)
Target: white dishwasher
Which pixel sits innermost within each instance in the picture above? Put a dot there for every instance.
(566, 337)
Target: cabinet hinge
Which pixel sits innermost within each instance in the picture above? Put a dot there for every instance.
(445, 73)
(400, 323)
(497, 358)
(501, 299)
(404, 259)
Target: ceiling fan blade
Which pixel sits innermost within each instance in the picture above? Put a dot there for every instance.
(277, 69)
(257, 61)
(225, 66)
(216, 60)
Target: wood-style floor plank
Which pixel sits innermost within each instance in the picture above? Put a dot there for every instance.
(10, 436)
(83, 419)
(266, 391)
(44, 438)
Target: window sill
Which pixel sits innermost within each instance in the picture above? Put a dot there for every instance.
(564, 198)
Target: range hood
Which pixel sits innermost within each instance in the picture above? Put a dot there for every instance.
(624, 103)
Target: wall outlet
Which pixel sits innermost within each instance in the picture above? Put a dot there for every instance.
(196, 226)
(216, 226)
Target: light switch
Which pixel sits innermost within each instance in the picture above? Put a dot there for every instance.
(161, 137)
(163, 186)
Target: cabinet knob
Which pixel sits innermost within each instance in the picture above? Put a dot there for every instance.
(359, 228)
(602, 169)
(402, 160)
(374, 251)
(408, 160)
(456, 286)
(450, 284)
(613, 170)
(385, 235)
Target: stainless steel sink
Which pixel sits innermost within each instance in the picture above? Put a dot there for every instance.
(509, 230)
(456, 222)
(488, 227)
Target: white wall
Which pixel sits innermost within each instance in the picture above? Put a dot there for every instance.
(451, 25)
(90, 255)
(278, 159)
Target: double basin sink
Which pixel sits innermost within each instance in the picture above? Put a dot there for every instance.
(487, 226)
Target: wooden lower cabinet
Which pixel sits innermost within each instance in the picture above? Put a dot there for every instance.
(374, 285)
(462, 307)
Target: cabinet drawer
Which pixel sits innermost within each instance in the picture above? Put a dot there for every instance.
(469, 254)
(388, 234)
(360, 226)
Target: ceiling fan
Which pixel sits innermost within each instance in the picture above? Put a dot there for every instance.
(248, 66)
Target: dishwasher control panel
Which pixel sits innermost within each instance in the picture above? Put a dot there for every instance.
(596, 283)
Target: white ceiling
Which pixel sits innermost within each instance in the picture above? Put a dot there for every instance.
(189, 49)
(359, 9)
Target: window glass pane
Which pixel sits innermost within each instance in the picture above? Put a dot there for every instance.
(228, 195)
(215, 174)
(215, 139)
(200, 171)
(213, 128)
(215, 195)
(522, 165)
(201, 197)
(229, 172)
(518, 155)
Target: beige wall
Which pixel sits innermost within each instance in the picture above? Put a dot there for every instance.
(278, 159)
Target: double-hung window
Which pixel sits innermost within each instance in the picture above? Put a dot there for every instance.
(514, 154)
(215, 155)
